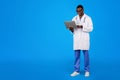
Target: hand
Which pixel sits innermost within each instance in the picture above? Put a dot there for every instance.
(79, 26)
(71, 29)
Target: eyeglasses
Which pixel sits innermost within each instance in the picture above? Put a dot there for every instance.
(79, 11)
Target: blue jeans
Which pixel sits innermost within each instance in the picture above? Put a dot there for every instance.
(77, 60)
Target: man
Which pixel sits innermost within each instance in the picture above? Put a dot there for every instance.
(81, 39)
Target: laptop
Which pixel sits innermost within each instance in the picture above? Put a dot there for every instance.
(69, 24)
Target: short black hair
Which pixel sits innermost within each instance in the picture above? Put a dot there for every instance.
(80, 6)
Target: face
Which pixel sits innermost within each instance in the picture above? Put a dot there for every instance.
(80, 11)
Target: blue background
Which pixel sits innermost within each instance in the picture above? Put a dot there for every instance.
(35, 45)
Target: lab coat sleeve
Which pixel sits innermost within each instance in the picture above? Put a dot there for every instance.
(73, 19)
(88, 25)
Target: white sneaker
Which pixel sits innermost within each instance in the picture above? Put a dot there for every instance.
(74, 74)
(87, 74)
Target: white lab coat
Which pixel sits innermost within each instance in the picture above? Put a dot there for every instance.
(81, 37)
